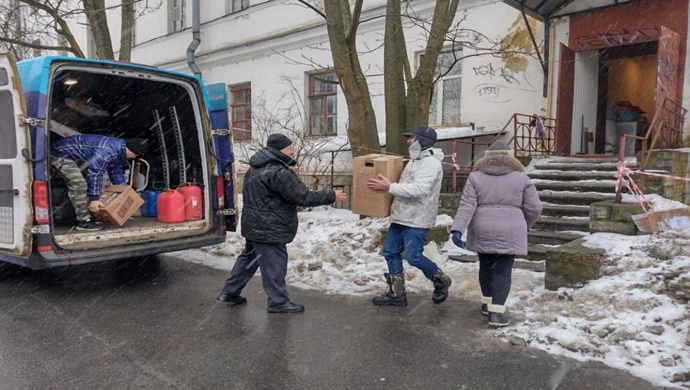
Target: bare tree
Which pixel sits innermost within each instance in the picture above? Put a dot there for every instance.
(407, 96)
(286, 115)
(45, 25)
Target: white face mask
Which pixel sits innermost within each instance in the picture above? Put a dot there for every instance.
(415, 150)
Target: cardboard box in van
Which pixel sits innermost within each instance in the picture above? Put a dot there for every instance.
(119, 203)
(369, 202)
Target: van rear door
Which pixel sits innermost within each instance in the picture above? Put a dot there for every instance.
(16, 216)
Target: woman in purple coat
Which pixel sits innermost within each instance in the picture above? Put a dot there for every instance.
(498, 207)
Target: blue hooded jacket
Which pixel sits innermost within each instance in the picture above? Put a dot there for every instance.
(95, 155)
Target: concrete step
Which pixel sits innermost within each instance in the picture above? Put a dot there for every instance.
(578, 166)
(536, 237)
(576, 185)
(571, 175)
(565, 210)
(562, 223)
(536, 265)
(573, 198)
(629, 161)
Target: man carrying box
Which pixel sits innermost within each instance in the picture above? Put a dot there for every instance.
(413, 213)
(95, 155)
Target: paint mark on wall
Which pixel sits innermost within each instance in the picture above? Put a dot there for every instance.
(493, 93)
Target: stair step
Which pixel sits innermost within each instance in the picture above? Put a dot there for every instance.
(578, 166)
(562, 223)
(553, 237)
(629, 161)
(577, 185)
(569, 210)
(574, 198)
(570, 175)
(536, 265)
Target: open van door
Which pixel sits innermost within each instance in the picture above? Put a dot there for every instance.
(16, 216)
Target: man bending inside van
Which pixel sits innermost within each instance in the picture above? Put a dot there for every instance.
(94, 155)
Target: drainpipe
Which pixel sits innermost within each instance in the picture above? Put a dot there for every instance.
(196, 38)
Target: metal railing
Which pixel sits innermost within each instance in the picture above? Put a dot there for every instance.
(666, 131)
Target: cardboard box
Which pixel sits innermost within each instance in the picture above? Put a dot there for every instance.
(370, 202)
(120, 203)
(661, 221)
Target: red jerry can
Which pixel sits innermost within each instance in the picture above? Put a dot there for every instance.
(193, 201)
(171, 207)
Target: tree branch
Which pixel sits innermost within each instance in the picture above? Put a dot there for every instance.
(35, 46)
(306, 4)
(65, 30)
(356, 15)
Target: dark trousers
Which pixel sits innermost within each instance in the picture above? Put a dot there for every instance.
(272, 259)
(495, 273)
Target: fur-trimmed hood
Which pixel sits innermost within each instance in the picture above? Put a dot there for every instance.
(498, 165)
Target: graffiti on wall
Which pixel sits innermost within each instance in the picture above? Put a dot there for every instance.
(618, 38)
(500, 82)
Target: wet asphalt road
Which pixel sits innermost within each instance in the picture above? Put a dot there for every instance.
(155, 325)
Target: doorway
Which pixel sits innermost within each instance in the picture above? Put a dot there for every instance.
(606, 92)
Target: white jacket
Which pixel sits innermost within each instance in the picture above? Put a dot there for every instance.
(415, 202)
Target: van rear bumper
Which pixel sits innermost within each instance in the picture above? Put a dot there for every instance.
(50, 259)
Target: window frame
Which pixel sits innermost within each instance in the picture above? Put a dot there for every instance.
(232, 89)
(172, 21)
(438, 93)
(230, 6)
(324, 105)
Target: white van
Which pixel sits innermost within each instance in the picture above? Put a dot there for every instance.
(171, 110)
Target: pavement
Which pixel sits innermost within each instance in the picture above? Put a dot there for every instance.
(154, 324)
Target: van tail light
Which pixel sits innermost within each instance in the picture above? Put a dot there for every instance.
(40, 190)
(220, 191)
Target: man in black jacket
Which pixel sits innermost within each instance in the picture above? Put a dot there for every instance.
(272, 192)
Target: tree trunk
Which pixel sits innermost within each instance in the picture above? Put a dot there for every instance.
(342, 30)
(394, 59)
(127, 29)
(422, 86)
(95, 14)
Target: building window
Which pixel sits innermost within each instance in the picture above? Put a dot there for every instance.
(177, 15)
(241, 111)
(445, 99)
(233, 6)
(323, 103)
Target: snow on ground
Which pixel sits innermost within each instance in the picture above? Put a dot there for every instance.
(635, 317)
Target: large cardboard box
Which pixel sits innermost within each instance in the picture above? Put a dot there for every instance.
(661, 221)
(119, 203)
(364, 200)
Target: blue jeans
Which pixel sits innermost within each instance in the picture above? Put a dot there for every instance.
(411, 241)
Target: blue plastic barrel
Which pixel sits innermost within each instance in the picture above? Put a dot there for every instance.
(150, 207)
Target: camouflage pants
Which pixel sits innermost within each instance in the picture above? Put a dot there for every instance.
(76, 185)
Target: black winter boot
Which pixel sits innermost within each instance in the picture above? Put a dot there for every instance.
(395, 296)
(485, 305)
(496, 318)
(441, 284)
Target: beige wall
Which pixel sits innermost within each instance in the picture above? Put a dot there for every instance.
(633, 79)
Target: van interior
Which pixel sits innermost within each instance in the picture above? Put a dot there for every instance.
(129, 104)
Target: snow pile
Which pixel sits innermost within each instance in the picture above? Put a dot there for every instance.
(635, 317)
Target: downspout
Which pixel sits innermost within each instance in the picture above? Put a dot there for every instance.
(196, 38)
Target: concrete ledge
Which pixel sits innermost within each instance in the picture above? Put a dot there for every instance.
(572, 265)
(611, 217)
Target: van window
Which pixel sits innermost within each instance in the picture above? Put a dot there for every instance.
(8, 146)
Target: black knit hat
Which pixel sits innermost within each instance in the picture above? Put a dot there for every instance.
(426, 136)
(137, 146)
(278, 141)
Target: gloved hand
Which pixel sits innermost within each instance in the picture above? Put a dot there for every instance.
(457, 239)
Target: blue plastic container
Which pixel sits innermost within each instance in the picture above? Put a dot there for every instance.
(150, 207)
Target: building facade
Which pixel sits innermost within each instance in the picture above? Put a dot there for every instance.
(275, 59)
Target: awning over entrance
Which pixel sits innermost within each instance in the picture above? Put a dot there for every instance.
(539, 9)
